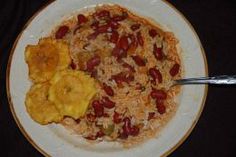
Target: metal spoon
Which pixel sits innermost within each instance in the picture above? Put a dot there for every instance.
(222, 79)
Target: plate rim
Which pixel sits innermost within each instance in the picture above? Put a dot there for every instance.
(28, 137)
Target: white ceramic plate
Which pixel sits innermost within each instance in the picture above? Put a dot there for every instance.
(54, 140)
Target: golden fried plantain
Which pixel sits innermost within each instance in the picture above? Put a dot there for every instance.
(44, 59)
(71, 91)
(39, 107)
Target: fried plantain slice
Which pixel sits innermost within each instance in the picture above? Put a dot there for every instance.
(46, 58)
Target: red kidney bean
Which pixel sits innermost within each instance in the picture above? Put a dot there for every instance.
(122, 77)
(103, 13)
(81, 19)
(151, 115)
(174, 70)
(127, 125)
(119, 53)
(122, 135)
(117, 118)
(123, 43)
(161, 108)
(157, 52)
(128, 129)
(93, 35)
(114, 37)
(158, 94)
(90, 117)
(94, 25)
(100, 134)
(103, 28)
(152, 33)
(134, 131)
(98, 108)
(109, 91)
(120, 17)
(106, 115)
(133, 45)
(92, 62)
(106, 102)
(61, 32)
(138, 60)
(114, 25)
(135, 26)
(140, 39)
(73, 65)
(129, 67)
(155, 74)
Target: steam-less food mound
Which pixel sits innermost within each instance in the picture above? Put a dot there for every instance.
(131, 62)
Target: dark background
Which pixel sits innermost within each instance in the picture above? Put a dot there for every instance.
(215, 23)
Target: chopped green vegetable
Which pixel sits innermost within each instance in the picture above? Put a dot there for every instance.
(109, 130)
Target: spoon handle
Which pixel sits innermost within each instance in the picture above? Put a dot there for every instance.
(222, 79)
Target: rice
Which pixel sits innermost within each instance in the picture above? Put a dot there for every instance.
(132, 96)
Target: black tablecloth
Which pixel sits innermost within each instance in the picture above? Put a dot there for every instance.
(215, 23)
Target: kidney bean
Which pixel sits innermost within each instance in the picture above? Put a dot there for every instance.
(157, 52)
(103, 13)
(140, 39)
(138, 60)
(81, 19)
(119, 53)
(106, 102)
(123, 43)
(135, 26)
(155, 74)
(129, 67)
(120, 17)
(161, 108)
(152, 33)
(128, 129)
(114, 25)
(174, 70)
(133, 44)
(117, 118)
(109, 91)
(127, 125)
(158, 94)
(92, 62)
(134, 131)
(61, 32)
(106, 115)
(94, 25)
(122, 135)
(90, 117)
(151, 115)
(98, 108)
(100, 134)
(122, 77)
(103, 28)
(114, 37)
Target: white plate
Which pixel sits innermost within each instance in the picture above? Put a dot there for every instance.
(54, 140)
